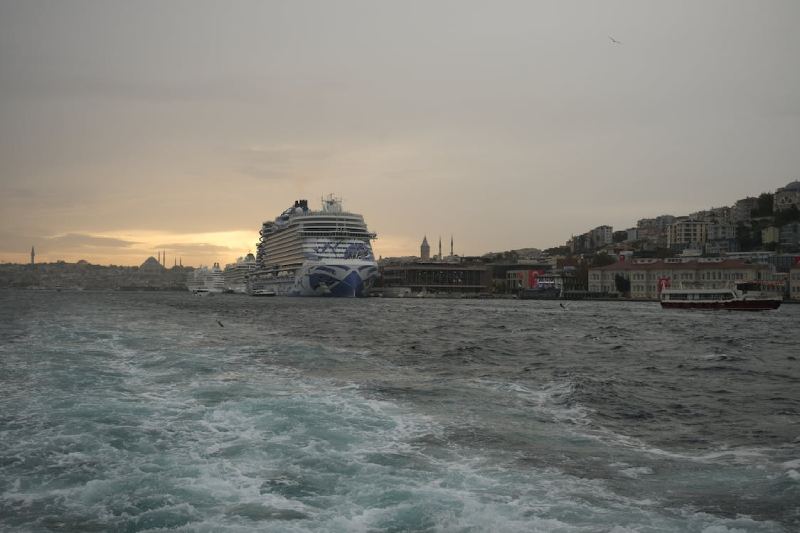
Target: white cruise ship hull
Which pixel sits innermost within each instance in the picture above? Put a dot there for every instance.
(342, 278)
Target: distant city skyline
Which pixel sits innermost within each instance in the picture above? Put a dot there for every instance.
(130, 128)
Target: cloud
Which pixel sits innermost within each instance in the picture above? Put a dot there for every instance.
(84, 240)
(193, 248)
(281, 161)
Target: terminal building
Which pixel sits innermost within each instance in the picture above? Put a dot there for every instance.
(437, 275)
(432, 278)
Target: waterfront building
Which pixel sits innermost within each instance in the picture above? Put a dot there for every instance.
(645, 276)
(431, 278)
(786, 197)
(523, 279)
(794, 282)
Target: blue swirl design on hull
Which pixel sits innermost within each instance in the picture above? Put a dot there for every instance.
(339, 280)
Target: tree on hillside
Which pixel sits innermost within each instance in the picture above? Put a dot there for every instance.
(622, 284)
(558, 250)
(600, 260)
(784, 216)
(764, 208)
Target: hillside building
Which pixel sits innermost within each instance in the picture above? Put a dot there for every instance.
(786, 197)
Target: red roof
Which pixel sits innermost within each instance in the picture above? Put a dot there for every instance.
(727, 264)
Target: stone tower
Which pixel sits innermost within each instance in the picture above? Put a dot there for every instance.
(425, 250)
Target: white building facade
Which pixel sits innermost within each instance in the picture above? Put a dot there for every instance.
(646, 275)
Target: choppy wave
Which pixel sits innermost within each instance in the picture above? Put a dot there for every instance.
(138, 412)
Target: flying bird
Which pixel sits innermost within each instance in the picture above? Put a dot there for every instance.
(220, 323)
(614, 40)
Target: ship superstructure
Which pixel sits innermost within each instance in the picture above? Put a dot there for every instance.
(235, 274)
(315, 253)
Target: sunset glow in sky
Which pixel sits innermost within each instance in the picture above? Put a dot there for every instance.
(130, 127)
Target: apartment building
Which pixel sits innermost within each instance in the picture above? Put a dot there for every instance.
(685, 232)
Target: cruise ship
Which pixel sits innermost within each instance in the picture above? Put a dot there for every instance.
(206, 280)
(314, 253)
(235, 274)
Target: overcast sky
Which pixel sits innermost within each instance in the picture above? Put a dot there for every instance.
(130, 126)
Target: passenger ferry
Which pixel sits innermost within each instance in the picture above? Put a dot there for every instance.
(746, 296)
(304, 252)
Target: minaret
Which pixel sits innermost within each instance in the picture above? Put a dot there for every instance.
(451, 245)
(33, 255)
(425, 250)
(440, 247)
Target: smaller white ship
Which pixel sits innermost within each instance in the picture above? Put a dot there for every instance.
(206, 280)
(236, 274)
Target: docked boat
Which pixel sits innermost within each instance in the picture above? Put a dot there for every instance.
(540, 293)
(263, 292)
(235, 274)
(305, 252)
(746, 296)
(206, 280)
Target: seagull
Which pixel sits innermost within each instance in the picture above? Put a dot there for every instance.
(220, 323)
(614, 40)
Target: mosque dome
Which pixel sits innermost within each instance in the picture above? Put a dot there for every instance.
(793, 186)
(151, 264)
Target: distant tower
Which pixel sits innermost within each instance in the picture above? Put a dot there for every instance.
(451, 245)
(440, 246)
(33, 255)
(425, 250)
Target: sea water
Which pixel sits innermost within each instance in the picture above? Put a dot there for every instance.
(167, 411)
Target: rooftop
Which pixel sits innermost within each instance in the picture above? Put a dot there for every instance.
(726, 264)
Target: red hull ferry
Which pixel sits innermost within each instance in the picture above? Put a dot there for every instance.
(745, 297)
